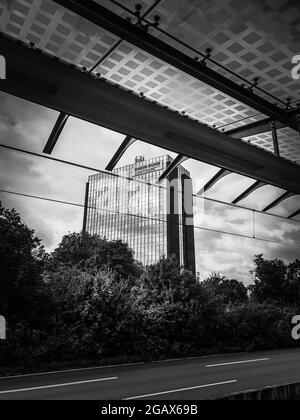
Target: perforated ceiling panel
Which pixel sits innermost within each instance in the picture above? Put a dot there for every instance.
(55, 30)
(252, 38)
(289, 143)
(142, 73)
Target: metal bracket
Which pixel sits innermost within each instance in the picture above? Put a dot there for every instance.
(140, 24)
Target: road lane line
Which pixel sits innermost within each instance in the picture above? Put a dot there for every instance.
(212, 356)
(120, 365)
(181, 390)
(238, 363)
(11, 391)
(28, 375)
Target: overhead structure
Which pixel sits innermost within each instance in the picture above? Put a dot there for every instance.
(275, 138)
(98, 15)
(127, 142)
(56, 132)
(219, 175)
(295, 214)
(256, 128)
(222, 96)
(279, 200)
(176, 162)
(254, 187)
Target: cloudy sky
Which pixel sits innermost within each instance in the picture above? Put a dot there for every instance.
(27, 126)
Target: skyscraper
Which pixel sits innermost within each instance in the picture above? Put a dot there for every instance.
(155, 220)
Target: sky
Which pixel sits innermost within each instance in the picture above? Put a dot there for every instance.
(27, 126)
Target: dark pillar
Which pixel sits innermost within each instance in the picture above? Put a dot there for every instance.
(188, 224)
(86, 204)
(173, 216)
(275, 139)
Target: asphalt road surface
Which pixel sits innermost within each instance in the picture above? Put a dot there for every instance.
(189, 379)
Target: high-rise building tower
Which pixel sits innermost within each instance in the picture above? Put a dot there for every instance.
(155, 220)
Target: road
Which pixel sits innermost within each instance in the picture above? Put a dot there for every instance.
(189, 379)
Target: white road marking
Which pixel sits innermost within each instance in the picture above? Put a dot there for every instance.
(69, 371)
(181, 390)
(212, 356)
(57, 385)
(238, 363)
(120, 365)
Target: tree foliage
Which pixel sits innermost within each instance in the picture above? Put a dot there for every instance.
(87, 251)
(275, 281)
(166, 282)
(90, 300)
(230, 291)
(22, 291)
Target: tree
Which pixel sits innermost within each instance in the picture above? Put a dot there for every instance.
(83, 250)
(166, 282)
(22, 290)
(293, 283)
(274, 281)
(93, 314)
(231, 291)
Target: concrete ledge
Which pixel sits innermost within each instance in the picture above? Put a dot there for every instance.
(288, 392)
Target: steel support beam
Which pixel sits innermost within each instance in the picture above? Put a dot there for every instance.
(279, 200)
(178, 161)
(128, 141)
(249, 191)
(34, 76)
(56, 132)
(220, 175)
(253, 129)
(86, 205)
(104, 18)
(297, 213)
(275, 138)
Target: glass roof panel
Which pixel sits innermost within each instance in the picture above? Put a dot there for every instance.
(247, 47)
(24, 124)
(288, 139)
(252, 39)
(56, 31)
(142, 73)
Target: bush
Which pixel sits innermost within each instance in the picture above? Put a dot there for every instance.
(90, 301)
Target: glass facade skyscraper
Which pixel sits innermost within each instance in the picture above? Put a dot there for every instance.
(130, 205)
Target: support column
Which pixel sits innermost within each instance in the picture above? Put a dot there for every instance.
(86, 205)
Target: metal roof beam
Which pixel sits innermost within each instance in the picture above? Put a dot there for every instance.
(176, 162)
(220, 175)
(104, 18)
(259, 127)
(56, 132)
(128, 141)
(250, 130)
(279, 200)
(275, 139)
(297, 213)
(249, 191)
